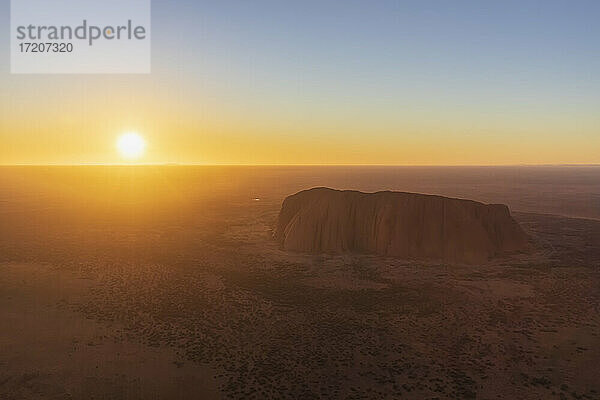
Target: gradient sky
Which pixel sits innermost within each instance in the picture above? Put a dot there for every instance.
(329, 82)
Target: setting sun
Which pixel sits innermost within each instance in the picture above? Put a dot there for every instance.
(131, 145)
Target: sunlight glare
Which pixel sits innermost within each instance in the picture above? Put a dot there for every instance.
(131, 145)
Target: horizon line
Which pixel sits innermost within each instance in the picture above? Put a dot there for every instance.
(175, 164)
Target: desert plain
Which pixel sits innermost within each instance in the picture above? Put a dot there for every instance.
(154, 282)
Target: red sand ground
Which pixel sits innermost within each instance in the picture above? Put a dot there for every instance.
(167, 280)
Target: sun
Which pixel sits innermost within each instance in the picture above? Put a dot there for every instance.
(131, 145)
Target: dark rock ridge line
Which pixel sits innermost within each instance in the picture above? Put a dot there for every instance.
(405, 225)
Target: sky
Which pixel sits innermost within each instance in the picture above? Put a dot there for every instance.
(328, 82)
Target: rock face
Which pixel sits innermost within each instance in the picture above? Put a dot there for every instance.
(404, 225)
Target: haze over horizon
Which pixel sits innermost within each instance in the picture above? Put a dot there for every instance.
(392, 83)
(190, 164)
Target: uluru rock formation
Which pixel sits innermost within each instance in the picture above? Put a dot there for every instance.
(404, 225)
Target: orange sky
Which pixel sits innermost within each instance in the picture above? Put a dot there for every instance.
(283, 84)
(70, 127)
